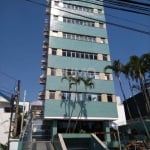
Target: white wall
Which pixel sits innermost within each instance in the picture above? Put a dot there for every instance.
(4, 123)
(13, 145)
(121, 113)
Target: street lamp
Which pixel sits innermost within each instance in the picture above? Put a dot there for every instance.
(115, 126)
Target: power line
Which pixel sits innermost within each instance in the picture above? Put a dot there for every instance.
(134, 2)
(128, 20)
(5, 74)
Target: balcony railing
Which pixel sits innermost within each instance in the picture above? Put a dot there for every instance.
(47, 11)
(43, 61)
(43, 67)
(46, 33)
(44, 54)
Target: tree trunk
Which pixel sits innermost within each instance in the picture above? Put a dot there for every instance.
(17, 110)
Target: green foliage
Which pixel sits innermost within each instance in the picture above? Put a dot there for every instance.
(3, 147)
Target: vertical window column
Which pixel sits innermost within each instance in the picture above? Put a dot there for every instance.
(59, 72)
(60, 34)
(47, 95)
(48, 71)
(99, 57)
(102, 76)
(96, 24)
(59, 52)
(58, 95)
(104, 97)
(95, 11)
(113, 98)
(49, 51)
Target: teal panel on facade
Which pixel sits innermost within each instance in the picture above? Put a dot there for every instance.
(100, 86)
(77, 63)
(78, 29)
(90, 110)
(78, 45)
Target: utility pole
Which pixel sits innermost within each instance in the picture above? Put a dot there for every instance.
(11, 114)
(17, 97)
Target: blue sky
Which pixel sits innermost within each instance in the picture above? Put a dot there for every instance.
(21, 37)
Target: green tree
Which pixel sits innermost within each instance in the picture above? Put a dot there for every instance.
(139, 67)
(116, 67)
(127, 72)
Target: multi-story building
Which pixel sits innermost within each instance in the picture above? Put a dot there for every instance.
(76, 44)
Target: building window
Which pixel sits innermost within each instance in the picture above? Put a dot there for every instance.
(54, 51)
(79, 37)
(55, 17)
(53, 72)
(107, 76)
(56, 3)
(52, 94)
(69, 54)
(76, 54)
(64, 53)
(99, 97)
(78, 21)
(73, 54)
(79, 8)
(95, 56)
(109, 98)
(105, 57)
(80, 96)
(101, 25)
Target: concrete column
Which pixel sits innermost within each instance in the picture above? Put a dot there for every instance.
(104, 97)
(102, 76)
(108, 57)
(95, 11)
(98, 40)
(49, 51)
(58, 95)
(60, 34)
(54, 128)
(114, 98)
(99, 57)
(111, 77)
(106, 129)
(48, 71)
(96, 24)
(59, 52)
(47, 95)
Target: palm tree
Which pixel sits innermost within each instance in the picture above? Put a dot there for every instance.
(88, 83)
(139, 67)
(127, 72)
(116, 67)
(146, 63)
